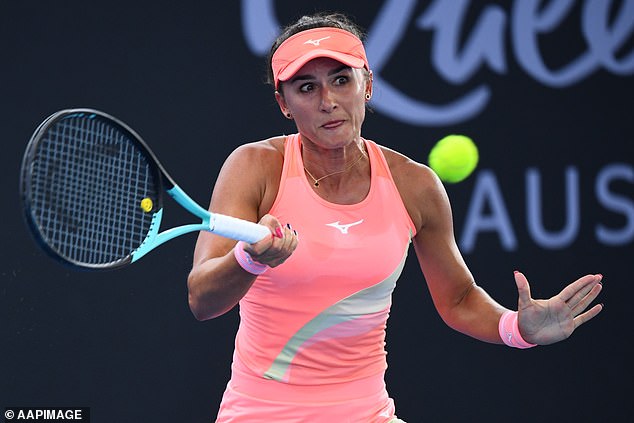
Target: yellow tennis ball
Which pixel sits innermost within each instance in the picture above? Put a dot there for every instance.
(453, 158)
(147, 204)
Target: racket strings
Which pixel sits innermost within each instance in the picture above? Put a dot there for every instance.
(88, 181)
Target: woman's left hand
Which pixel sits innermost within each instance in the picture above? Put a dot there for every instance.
(548, 321)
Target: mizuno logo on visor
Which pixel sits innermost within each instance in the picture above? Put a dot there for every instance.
(316, 42)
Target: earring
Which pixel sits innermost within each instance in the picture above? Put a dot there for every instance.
(368, 96)
(289, 115)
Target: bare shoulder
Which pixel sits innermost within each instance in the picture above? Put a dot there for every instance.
(402, 166)
(421, 190)
(254, 168)
(255, 161)
(271, 149)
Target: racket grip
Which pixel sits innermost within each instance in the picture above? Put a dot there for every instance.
(238, 229)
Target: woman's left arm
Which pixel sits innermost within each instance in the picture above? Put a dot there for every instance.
(461, 303)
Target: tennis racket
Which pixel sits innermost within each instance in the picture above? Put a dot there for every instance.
(92, 192)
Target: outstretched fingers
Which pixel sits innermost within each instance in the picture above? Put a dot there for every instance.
(552, 320)
(579, 294)
(580, 284)
(584, 317)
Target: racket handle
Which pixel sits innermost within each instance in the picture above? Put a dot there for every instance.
(238, 229)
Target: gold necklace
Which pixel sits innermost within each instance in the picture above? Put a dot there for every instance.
(347, 168)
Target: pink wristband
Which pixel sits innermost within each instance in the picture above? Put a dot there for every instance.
(510, 331)
(246, 262)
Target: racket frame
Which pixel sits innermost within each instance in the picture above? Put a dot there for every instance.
(211, 222)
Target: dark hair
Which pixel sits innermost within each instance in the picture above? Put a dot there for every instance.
(317, 20)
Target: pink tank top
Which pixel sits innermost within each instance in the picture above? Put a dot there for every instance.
(320, 317)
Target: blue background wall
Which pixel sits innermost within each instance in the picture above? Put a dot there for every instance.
(187, 76)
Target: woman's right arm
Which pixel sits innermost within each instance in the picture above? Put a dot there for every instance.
(245, 188)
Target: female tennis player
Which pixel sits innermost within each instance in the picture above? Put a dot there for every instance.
(315, 296)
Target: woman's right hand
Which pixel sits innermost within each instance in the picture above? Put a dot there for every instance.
(274, 250)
